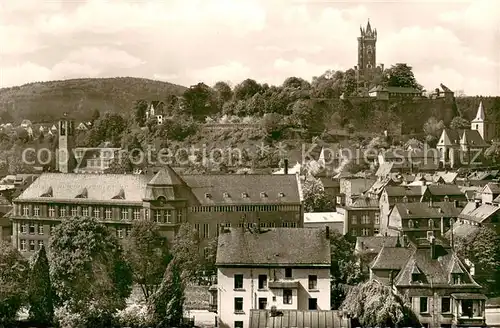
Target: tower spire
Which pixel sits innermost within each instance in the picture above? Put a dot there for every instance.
(480, 113)
(368, 27)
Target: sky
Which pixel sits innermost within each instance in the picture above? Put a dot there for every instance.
(456, 43)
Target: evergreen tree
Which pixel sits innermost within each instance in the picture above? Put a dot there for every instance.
(167, 303)
(40, 290)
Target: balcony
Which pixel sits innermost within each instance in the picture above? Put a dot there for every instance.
(471, 322)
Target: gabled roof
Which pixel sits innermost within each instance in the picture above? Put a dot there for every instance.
(392, 258)
(384, 169)
(438, 210)
(400, 191)
(493, 187)
(166, 177)
(445, 190)
(276, 247)
(481, 213)
(480, 113)
(436, 271)
(373, 244)
(364, 203)
(472, 138)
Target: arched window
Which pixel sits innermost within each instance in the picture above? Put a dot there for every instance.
(411, 225)
(431, 223)
(162, 200)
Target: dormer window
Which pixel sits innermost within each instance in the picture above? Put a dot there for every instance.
(416, 275)
(456, 278)
(244, 195)
(226, 195)
(208, 196)
(263, 195)
(411, 224)
(281, 194)
(47, 193)
(405, 199)
(83, 193)
(120, 195)
(446, 198)
(408, 211)
(431, 223)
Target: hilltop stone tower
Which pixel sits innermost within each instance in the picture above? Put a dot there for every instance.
(65, 161)
(367, 55)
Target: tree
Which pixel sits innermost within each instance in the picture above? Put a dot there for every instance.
(167, 303)
(246, 89)
(329, 85)
(209, 263)
(493, 151)
(375, 305)
(272, 124)
(315, 198)
(307, 117)
(109, 128)
(147, 253)
(296, 83)
(401, 75)
(344, 270)
(185, 251)
(432, 129)
(482, 248)
(223, 93)
(18, 164)
(349, 82)
(200, 101)
(89, 274)
(459, 123)
(14, 271)
(41, 300)
(95, 116)
(140, 109)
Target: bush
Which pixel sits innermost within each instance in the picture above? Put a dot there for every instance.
(134, 316)
(67, 319)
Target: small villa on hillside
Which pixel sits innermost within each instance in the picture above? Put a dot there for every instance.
(384, 93)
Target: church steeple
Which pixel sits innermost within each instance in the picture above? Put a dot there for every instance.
(368, 27)
(480, 113)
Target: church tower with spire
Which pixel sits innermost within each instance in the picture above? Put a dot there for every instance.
(482, 125)
(367, 55)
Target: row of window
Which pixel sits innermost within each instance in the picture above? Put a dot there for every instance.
(262, 278)
(246, 208)
(165, 216)
(96, 212)
(262, 303)
(424, 304)
(364, 232)
(31, 245)
(33, 228)
(204, 231)
(365, 219)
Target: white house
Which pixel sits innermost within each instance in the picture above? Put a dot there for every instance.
(261, 269)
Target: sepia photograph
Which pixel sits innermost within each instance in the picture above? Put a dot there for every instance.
(249, 163)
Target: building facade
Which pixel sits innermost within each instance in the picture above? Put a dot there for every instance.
(282, 268)
(205, 201)
(361, 218)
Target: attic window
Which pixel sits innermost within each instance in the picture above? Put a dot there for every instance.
(120, 195)
(208, 196)
(48, 193)
(82, 193)
(244, 195)
(431, 223)
(226, 195)
(446, 198)
(411, 225)
(281, 194)
(405, 199)
(408, 211)
(263, 195)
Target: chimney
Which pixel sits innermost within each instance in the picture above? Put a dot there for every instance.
(405, 240)
(432, 241)
(477, 204)
(327, 232)
(286, 165)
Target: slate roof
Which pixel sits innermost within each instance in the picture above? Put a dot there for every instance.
(275, 247)
(445, 190)
(296, 319)
(448, 177)
(392, 258)
(100, 187)
(473, 138)
(251, 184)
(436, 271)
(424, 210)
(493, 186)
(259, 189)
(479, 214)
(373, 244)
(364, 203)
(400, 191)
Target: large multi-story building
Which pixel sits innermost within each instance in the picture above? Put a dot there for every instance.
(206, 201)
(258, 269)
